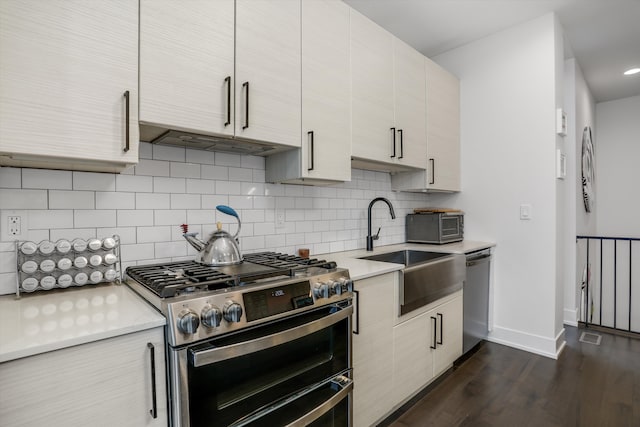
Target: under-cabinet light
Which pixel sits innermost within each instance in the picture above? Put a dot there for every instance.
(632, 71)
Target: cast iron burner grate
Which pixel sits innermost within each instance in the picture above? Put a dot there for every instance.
(279, 260)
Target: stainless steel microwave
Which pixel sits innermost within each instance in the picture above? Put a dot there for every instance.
(436, 227)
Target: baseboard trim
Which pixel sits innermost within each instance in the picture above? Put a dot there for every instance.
(548, 347)
(570, 317)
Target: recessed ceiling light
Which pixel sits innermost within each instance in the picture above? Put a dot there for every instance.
(632, 71)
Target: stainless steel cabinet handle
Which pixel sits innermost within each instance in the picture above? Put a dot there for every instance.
(246, 105)
(152, 356)
(126, 121)
(433, 171)
(401, 144)
(441, 323)
(310, 133)
(393, 142)
(227, 82)
(435, 325)
(356, 331)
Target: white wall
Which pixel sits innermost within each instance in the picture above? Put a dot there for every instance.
(171, 186)
(508, 100)
(580, 108)
(617, 156)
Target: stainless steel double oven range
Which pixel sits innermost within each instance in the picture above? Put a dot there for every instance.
(263, 343)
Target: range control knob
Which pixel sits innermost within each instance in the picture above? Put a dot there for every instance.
(211, 316)
(188, 321)
(345, 285)
(232, 311)
(336, 287)
(321, 290)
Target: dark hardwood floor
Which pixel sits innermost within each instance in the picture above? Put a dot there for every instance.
(588, 385)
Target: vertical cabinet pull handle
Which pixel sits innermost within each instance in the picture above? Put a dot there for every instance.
(433, 171)
(126, 121)
(435, 325)
(356, 331)
(227, 82)
(393, 142)
(152, 356)
(401, 144)
(441, 323)
(310, 133)
(246, 105)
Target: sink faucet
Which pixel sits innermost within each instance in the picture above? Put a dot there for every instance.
(371, 238)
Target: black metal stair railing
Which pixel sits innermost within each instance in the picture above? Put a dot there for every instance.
(610, 294)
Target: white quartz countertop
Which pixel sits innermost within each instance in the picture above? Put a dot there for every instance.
(46, 321)
(361, 269)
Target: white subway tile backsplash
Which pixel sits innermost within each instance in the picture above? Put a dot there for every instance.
(336, 246)
(211, 201)
(185, 201)
(214, 172)
(252, 243)
(321, 248)
(7, 283)
(72, 233)
(264, 202)
(228, 159)
(304, 226)
(10, 177)
(294, 215)
(167, 152)
(171, 249)
(200, 156)
(239, 174)
(94, 218)
(274, 241)
(228, 187)
(241, 202)
(169, 185)
(251, 189)
(142, 251)
(258, 175)
(285, 203)
(264, 228)
(133, 217)
(7, 246)
(201, 216)
(46, 178)
(304, 203)
(312, 214)
(127, 234)
(38, 235)
(8, 262)
(252, 162)
(252, 215)
(153, 201)
(23, 199)
(145, 150)
(94, 181)
(201, 186)
(115, 200)
(152, 167)
(170, 217)
(46, 219)
(274, 190)
(138, 184)
(293, 190)
(185, 170)
(311, 238)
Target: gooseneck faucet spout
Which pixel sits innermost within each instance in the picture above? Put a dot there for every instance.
(370, 237)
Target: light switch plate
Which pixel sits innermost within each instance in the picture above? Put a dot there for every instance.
(525, 212)
(13, 225)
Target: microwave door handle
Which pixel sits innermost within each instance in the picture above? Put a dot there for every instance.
(218, 354)
(344, 384)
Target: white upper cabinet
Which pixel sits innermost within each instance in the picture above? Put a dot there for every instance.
(325, 154)
(268, 71)
(387, 80)
(442, 166)
(186, 65)
(221, 68)
(69, 84)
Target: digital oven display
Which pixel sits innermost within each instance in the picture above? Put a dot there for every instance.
(267, 302)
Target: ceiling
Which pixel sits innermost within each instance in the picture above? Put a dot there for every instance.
(603, 35)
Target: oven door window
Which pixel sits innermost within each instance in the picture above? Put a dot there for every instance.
(232, 377)
(450, 226)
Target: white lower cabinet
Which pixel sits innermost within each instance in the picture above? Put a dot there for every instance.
(425, 346)
(103, 383)
(372, 348)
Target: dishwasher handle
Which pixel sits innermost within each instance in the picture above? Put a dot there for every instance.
(478, 258)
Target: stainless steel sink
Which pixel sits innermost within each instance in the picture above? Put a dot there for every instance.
(427, 276)
(406, 257)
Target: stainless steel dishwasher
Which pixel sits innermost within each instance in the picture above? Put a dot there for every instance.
(476, 298)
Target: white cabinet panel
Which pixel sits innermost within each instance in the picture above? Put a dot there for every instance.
(449, 334)
(268, 71)
(104, 383)
(187, 64)
(66, 65)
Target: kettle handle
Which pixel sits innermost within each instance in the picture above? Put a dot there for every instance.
(229, 211)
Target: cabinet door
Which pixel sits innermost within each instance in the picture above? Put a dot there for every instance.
(66, 65)
(443, 129)
(449, 334)
(104, 383)
(268, 68)
(412, 355)
(372, 349)
(186, 64)
(410, 105)
(326, 90)
(372, 90)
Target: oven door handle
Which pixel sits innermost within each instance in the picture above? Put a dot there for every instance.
(218, 354)
(344, 383)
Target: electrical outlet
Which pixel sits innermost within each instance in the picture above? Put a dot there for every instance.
(13, 225)
(280, 218)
